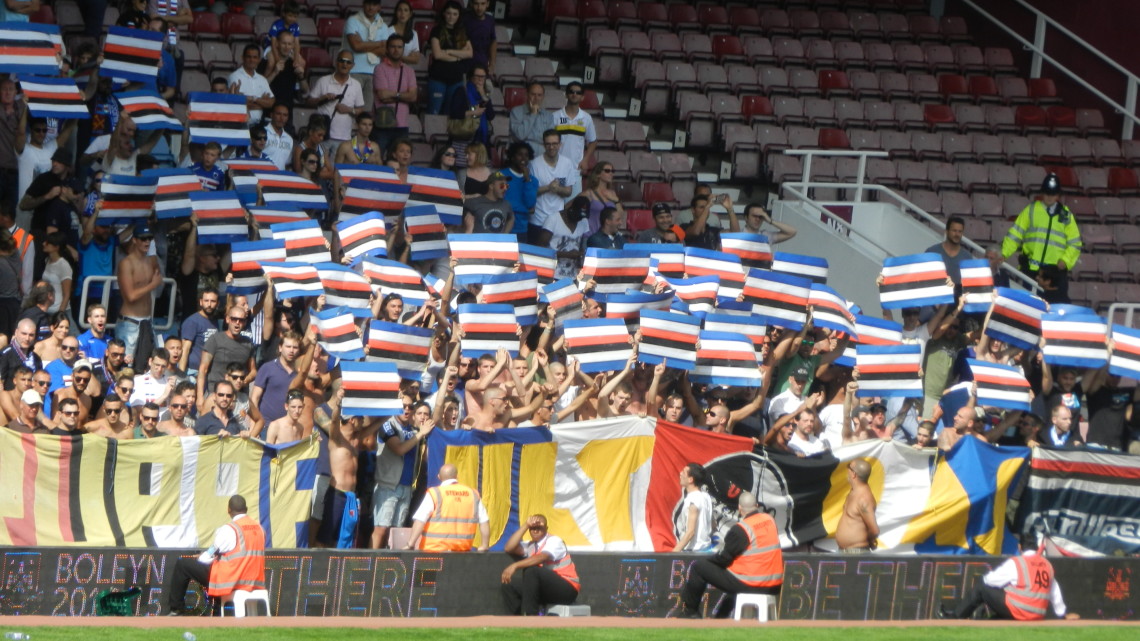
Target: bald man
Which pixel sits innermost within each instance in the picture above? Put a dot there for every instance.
(858, 531)
(19, 352)
(449, 515)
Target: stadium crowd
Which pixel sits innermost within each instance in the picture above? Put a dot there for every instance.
(253, 366)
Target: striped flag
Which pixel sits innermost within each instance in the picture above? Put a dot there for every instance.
(304, 241)
(565, 297)
(779, 298)
(877, 331)
(751, 329)
(370, 389)
(809, 267)
(393, 277)
(29, 48)
(246, 259)
(614, 270)
(336, 327)
(726, 267)
(131, 54)
(1016, 318)
(218, 117)
(370, 173)
(914, 281)
(54, 98)
(405, 345)
(1000, 385)
(287, 190)
(221, 218)
(733, 307)
(363, 196)
(343, 286)
(1125, 357)
(668, 260)
(486, 328)
(519, 290)
(1075, 340)
(126, 199)
(668, 337)
(599, 344)
(426, 232)
(697, 295)
(726, 359)
(172, 193)
(628, 306)
(293, 280)
(242, 171)
(363, 235)
(829, 309)
(481, 255)
(540, 260)
(266, 218)
(437, 187)
(753, 249)
(977, 286)
(889, 370)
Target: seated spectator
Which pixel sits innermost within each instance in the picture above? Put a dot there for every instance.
(598, 186)
(609, 236)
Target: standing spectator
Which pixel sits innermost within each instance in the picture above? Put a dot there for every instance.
(122, 154)
(222, 349)
(9, 283)
(951, 250)
(473, 101)
(284, 68)
(477, 173)
(93, 342)
(755, 217)
(96, 253)
(275, 378)
(695, 520)
(247, 82)
(279, 143)
(36, 304)
(701, 234)
(529, 120)
(1046, 233)
(139, 276)
(25, 247)
(52, 198)
(663, 230)
(155, 385)
(166, 82)
(576, 127)
(395, 467)
(36, 152)
(489, 214)
(480, 27)
(200, 270)
(564, 234)
(366, 37)
(12, 113)
(403, 25)
(554, 174)
(395, 89)
(339, 97)
(58, 273)
(360, 149)
(197, 329)
(522, 190)
(450, 52)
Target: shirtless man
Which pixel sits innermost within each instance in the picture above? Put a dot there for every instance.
(497, 413)
(963, 424)
(115, 424)
(10, 399)
(138, 277)
(79, 390)
(290, 427)
(489, 368)
(312, 377)
(346, 435)
(858, 531)
(175, 424)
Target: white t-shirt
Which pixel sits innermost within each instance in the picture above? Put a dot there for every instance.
(551, 544)
(427, 506)
(576, 132)
(253, 86)
(832, 419)
(702, 539)
(33, 162)
(279, 147)
(550, 204)
(807, 447)
(918, 336)
(781, 404)
(55, 273)
(340, 125)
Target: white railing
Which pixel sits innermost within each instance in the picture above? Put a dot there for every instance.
(170, 286)
(1043, 26)
(1127, 310)
(800, 190)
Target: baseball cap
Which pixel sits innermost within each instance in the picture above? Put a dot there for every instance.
(142, 229)
(497, 176)
(1051, 185)
(800, 373)
(862, 409)
(82, 364)
(878, 407)
(662, 208)
(32, 397)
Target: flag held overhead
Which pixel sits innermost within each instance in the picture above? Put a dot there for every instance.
(599, 344)
(1125, 358)
(668, 335)
(1075, 341)
(481, 255)
(407, 346)
(889, 370)
(614, 270)
(726, 359)
(914, 281)
(363, 235)
(392, 277)
(781, 299)
(1000, 385)
(370, 389)
(812, 268)
(753, 249)
(1016, 318)
(338, 335)
(977, 286)
(488, 328)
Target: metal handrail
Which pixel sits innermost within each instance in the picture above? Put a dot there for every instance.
(1129, 310)
(105, 299)
(1128, 110)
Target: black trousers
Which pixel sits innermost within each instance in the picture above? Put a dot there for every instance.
(982, 593)
(184, 571)
(533, 587)
(705, 573)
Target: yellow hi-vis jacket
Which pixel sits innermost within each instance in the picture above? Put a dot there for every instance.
(1044, 239)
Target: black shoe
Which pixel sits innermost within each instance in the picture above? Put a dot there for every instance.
(686, 613)
(944, 613)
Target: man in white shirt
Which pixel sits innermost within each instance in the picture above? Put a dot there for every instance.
(340, 97)
(544, 573)
(788, 400)
(366, 37)
(577, 128)
(154, 386)
(555, 174)
(804, 441)
(279, 144)
(247, 82)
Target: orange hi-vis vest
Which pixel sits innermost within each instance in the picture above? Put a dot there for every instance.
(242, 568)
(762, 564)
(1028, 598)
(453, 524)
(23, 241)
(563, 568)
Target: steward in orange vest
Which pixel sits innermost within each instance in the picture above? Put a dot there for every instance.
(544, 574)
(1021, 589)
(449, 516)
(236, 561)
(750, 562)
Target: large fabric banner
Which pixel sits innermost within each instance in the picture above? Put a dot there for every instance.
(91, 491)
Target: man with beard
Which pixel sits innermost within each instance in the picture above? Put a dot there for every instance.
(116, 424)
(93, 342)
(79, 389)
(197, 329)
(176, 424)
(220, 420)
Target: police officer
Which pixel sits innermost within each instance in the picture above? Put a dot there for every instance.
(1046, 234)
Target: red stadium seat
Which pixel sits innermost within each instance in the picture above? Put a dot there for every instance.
(1044, 91)
(236, 24)
(1031, 118)
(656, 192)
(834, 84)
(1123, 181)
(330, 30)
(206, 24)
(638, 220)
(833, 139)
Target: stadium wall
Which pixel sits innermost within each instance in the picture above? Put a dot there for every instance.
(65, 582)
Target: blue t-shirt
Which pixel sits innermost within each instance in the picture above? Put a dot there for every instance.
(393, 427)
(212, 179)
(93, 348)
(273, 378)
(197, 329)
(522, 195)
(96, 260)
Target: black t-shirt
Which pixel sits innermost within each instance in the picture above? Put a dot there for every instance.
(1107, 424)
(52, 213)
(284, 84)
(1071, 400)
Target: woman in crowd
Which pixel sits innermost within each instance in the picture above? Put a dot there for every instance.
(450, 53)
(403, 25)
(444, 158)
(315, 134)
(478, 172)
(472, 104)
(49, 348)
(599, 188)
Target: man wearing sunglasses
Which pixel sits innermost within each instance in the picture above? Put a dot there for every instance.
(176, 422)
(139, 277)
(79, 389)
(68, 422)
(576, 127)
(220, 420)
(223, 348)
(340, 97)
(544, 573)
